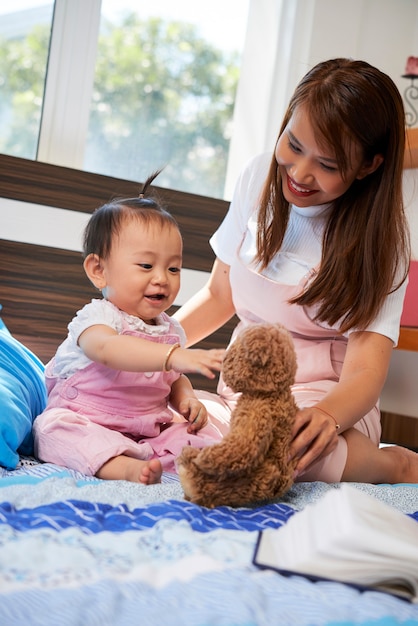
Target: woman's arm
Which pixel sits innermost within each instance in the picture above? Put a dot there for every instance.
(210, 308)
(104, 345)
(362, 378)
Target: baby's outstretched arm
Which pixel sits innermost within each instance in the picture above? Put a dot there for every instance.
(133, 354)
(196, 361)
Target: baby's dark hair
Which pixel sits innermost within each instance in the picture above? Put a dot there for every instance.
(106, 221)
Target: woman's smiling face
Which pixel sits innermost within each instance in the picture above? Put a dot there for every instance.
(310, 173)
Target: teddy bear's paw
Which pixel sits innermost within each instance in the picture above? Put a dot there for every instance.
(215, 462)
(204, 460)
(186, 480)
(187, 455)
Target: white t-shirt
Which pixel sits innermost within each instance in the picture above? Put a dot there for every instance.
(302, 244)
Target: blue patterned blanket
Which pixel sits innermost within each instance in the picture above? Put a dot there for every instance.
(80, 551)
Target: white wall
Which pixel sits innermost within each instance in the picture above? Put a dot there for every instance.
(400, 394)
(287, 37)
(411, 204)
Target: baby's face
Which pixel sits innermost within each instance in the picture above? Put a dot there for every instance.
(142, 271)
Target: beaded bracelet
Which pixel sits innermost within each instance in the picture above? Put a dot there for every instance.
(337, 425)
(168, 355)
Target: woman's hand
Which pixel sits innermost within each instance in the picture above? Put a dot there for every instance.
(314, 436)
(194, 412)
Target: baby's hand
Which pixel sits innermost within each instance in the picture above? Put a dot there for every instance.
(197, 361)
(194, 412)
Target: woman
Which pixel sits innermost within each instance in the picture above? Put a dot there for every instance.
(316, 238)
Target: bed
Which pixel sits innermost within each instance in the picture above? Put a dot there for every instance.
(82, 551)
(76, 550)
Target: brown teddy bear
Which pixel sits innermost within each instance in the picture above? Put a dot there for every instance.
(250, 465)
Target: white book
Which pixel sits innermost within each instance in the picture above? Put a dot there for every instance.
(346, 536)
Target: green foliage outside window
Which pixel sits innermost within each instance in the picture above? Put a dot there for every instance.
(22, 75)
(163, 96)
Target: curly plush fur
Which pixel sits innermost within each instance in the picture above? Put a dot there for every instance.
(250, 464)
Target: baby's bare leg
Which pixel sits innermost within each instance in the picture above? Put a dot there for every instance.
(128, 468)
(368, 463)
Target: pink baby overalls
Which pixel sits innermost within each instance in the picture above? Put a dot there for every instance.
(99, 413)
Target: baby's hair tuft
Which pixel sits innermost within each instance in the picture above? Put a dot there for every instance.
(107, 220)
(149, 182)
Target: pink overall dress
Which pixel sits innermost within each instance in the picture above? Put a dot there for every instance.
(99, 413)
(320, 353)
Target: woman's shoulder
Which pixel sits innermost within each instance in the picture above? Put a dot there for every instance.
(251, 181)
(258, 166)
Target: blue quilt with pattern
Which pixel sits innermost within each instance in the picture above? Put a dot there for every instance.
(81, 551)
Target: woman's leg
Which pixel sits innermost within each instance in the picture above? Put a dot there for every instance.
(368, 463)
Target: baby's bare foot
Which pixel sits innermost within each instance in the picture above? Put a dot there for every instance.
(128, 468)
(151, 472)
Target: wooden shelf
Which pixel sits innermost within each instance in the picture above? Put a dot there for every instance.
(399, 429)
(411, 149)
(408, 339)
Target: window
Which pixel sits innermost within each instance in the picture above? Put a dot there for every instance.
(132, 86)
(24, 43)
(164, 90)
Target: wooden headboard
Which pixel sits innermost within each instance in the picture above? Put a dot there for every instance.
(41, 287)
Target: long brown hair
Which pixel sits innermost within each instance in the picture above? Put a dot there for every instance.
(366, 249)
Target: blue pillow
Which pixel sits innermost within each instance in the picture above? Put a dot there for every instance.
(22, 397)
